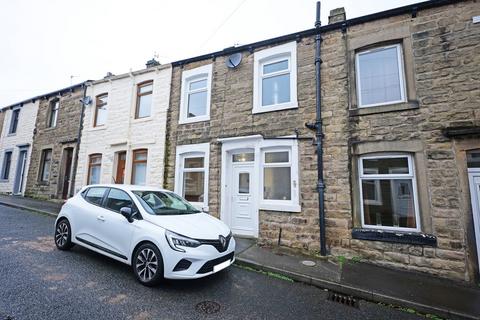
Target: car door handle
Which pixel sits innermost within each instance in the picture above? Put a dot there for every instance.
(101, 218)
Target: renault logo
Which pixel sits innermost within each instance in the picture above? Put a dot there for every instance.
(223, 241)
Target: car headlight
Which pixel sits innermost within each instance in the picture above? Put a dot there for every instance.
(176, 241)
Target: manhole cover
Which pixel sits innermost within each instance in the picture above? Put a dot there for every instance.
(308, 263)
(207, 307)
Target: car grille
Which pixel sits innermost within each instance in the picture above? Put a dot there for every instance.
(208, 266)
(217, 244)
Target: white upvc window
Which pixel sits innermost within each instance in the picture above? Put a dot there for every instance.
(279, 176)
(388, 192)
(195, 95)
(275, 78)
(380, 76)
(191, 175)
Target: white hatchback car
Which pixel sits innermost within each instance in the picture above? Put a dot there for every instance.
(155, 231)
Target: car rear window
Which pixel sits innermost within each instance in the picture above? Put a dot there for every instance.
(95, 195)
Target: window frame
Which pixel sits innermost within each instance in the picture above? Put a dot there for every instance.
(41, 172)
(140, 95)
(134, 208)
(193, 151)
(271, 55)
(4, 165)
(134, 162)
(53, 110)
(401, 70)
(401, 176)
(98, 106)
(14, 120)
(90, 157)
(292, 205)
(189, 76)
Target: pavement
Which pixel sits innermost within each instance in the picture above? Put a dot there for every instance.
(410, 290)
(37, 281)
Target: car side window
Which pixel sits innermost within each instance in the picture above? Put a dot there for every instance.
(95, 195)
(118, 199)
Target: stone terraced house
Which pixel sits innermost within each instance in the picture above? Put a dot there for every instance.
(55, 141)
(123, 134)
(15, 145)
(400, 94)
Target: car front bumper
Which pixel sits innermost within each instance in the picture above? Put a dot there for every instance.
(204, 261)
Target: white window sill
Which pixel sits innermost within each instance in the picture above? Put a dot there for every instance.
(275, 107)
(144, 119)
(386, 228)
(386, 103)
(280, 207)
(193, 120)
(97, 128)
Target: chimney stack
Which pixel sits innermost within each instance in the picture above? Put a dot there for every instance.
(336, 15)
(152, 63)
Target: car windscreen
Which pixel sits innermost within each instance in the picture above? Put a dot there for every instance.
(164, 203)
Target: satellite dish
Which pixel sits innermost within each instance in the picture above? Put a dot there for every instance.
(87, 100)
(234, 60)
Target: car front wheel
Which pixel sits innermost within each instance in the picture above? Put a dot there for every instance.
(63, 235)
(148, 264)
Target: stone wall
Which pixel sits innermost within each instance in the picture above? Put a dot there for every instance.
(441, 53)
(442, 66)
(63, 135)
(122, 132)
(23, 136)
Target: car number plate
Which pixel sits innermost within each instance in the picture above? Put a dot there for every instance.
(221, 266)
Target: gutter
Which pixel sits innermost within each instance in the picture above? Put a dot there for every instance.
(412, 9)
(318, 127)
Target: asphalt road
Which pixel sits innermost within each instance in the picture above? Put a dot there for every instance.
(37, 281)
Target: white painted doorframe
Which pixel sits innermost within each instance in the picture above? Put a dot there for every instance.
(474, 181)
(229, 147)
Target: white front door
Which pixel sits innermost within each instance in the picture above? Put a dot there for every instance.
(242, 221)
(474, 177)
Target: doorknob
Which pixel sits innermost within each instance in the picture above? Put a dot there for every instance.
(101, 218)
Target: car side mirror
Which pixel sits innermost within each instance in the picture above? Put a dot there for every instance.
(127, 213)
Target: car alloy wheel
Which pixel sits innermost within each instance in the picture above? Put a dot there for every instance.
(148, 264)
(63, 235)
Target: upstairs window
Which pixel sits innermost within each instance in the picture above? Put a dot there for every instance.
(380, 76)
(388, 192)
(139, 170)
(45, 164)
(94, 167)
(101, 104)
(275, 78)
(196, 91)
(53, 113)
(7, 162)
(14, 121)
(144, 100)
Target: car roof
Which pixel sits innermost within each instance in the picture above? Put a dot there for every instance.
(127, 187)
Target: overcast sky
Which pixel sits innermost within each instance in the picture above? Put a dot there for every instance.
(45, 42)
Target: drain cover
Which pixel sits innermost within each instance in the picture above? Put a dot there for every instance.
(207, 307)
(308, 263)
(343, 299)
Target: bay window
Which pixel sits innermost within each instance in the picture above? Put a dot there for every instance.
(388, 192)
